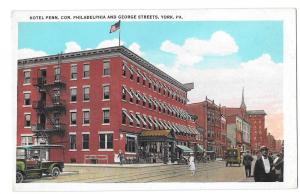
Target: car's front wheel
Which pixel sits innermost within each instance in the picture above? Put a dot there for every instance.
(19, 177)
(55, 172)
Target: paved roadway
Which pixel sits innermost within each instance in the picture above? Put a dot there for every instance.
(214, 171)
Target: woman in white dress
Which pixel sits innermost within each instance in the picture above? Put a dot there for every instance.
(192, 164)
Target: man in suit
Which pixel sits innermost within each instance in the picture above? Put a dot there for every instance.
(263, 167)
(247, 162)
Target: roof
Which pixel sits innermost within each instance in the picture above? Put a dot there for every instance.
(104, 51)
(155, 133)
(256, 112)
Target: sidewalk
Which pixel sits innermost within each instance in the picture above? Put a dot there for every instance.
(118, 165)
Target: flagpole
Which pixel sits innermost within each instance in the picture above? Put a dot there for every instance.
(120, 34)
(120, 37)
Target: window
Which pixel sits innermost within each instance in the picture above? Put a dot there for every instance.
(131, 96)
(73, 119)
(27, 99)
(123, 118)
(86, 93)
(26, 140)
(138, 79)
(123, 94)
(124, 69)
(86, 71)
(137, 121)
(86, 117)
(85, 141)
(27, 120)
(74, 72)
(106, 69)
(26, 77)
(106, 92)
(159, 89)
(105, 116)
(149, 104)
(149, 85)
(144, 102)
(72, 138)
(144, 82)
(106, 141)
(154, 87)
(131, 75)
(56, 74)
(73, 93)
(137, 98)
(130, 144)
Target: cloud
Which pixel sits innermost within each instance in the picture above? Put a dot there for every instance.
(109, 43)
(136, 48)
(193, 50)
(72, 46)
(261, 77)
(30, 53)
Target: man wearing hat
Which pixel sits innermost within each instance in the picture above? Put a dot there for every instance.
(263, 167)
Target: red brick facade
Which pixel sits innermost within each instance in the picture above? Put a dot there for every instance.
(212, 120)
(258, 131)
(115, 96)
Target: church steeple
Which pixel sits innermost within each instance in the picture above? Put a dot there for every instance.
(243, 105)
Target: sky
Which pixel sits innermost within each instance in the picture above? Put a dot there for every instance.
(220, 57)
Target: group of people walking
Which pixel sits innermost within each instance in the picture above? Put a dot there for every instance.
(266, 168)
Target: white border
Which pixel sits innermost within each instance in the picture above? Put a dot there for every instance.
(289, 104)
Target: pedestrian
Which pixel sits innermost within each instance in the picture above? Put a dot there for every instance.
(192, 164)
(121, 157)
(247, 162)
(263, 167)
(278, 167)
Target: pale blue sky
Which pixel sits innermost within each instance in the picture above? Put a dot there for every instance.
(253, 38)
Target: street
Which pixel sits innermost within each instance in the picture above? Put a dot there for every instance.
(214, 171)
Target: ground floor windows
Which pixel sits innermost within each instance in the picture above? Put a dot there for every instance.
(26, 140)
(106, 141)
(131, 145)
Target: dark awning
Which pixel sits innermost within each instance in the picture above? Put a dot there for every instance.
(185, 149)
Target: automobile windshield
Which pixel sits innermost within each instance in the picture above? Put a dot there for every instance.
(21, 154)
(232, 153)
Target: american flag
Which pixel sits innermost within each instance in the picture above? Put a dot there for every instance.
(115, 27)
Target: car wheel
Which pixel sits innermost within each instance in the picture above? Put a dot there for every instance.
(55, 172)
(19, 177)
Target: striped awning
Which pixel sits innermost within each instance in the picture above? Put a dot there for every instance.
(128, 91)
(140, 117)
(154, 123)
(146, 119)
(136, 119)
(127, 115)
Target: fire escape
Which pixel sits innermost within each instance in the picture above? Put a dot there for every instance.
(50, 108)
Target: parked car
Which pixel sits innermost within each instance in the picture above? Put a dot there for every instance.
(233, 156)
(33, 161)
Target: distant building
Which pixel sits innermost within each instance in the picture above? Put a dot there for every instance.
(238, 125)
(258, 131)
(271, 143)
(213, 121)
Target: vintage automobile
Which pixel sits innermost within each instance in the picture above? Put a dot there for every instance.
(34, 161)
(233, 156)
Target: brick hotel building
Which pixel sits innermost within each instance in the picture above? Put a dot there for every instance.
(98, 102)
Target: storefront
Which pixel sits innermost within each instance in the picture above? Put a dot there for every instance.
(156, 146)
